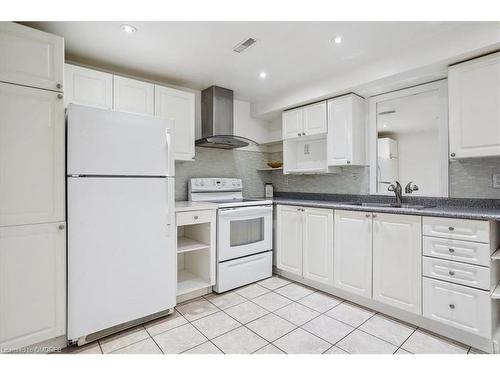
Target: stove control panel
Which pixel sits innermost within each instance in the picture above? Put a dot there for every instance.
(215, 184)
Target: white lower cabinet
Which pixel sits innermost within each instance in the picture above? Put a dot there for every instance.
(305, 242)
(397, 261)
(465, 308)
(289, 239)
(318, 245)
(32, 284)
(352, 259)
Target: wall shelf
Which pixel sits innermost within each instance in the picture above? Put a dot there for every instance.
(188, 282)
(270, 169)
(186, 244)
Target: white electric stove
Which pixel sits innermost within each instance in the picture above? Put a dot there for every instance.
(244, 231)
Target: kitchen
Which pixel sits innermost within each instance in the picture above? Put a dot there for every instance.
(223, 212)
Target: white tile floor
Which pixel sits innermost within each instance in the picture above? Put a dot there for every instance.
(273, 316)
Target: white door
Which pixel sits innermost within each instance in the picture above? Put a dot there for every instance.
(243, 231)
(315, 119)
(31, 155)
(474, 117)
(131, 95)
(178, 106)
(289, 241)
(397, 261)
(340, 131)
(121, 251)
(352, 259)
(32, 284)
(102, 142)
(31, 57)
(318, 245)
(88, 87)
(293, 123)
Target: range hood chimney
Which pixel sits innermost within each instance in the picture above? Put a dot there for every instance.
(217, 129)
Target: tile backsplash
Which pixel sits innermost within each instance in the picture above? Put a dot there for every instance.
(470, 178)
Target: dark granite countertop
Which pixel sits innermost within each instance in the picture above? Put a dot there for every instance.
(477, 209)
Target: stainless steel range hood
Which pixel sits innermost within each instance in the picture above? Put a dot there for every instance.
(217, 120)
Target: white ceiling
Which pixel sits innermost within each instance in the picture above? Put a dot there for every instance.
(296, 55)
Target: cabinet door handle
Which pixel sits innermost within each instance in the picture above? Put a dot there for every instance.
(303, 133)
(368, 215)
(374, 215)
(196, 217)
(451, 250)
(451, 229)
(452, 154)
(59, 86)
(452, 306)
(59, 96)
(451, 272)
(60, 227)
(299, 134)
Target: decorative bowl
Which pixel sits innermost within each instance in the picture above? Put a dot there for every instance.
(275, 164)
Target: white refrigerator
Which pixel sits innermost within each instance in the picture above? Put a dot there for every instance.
(121, 232)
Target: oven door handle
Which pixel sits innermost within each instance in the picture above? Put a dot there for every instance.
(246, 210)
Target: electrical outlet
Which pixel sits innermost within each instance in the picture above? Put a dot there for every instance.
(286, 180)
(496, 181)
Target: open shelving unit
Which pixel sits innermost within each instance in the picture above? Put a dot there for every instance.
(195, 257)
(270, 169)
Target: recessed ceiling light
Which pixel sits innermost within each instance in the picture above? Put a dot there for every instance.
(337, 40)
(129, 29)
(384, 126)
(262, 75)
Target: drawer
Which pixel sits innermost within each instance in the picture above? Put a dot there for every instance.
(465, 308)
(459, 229)
(194, 217)
(238, 272)
(460, 273)
(460, 251)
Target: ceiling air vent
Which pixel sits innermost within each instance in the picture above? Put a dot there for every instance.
(244, 45)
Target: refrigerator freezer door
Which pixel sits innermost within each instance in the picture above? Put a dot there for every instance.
(121, 251)
(103, 142)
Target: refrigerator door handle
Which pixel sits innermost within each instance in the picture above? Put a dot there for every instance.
(170, 204)
(170, 152)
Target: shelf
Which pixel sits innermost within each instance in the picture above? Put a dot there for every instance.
(496, 255)
(185, 244)
(188, 282)
(270, 169)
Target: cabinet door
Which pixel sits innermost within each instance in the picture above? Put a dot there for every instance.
(31, 57)
(178, 106)
(88, 87)
(293, 123)
(340, 142)
(352, 259)
(474, 118)
(397, 259)
(318, 245)
(130, 95)
(289, 233)
(32, 284)
(315, 119)
(31, 155)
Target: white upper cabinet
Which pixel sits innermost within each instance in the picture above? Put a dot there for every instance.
(353, 252)
(31, 57)
(32, 171)
(289, 239)
(88, 87)
(293, 123)
(130, 95)
(346, 131)
(397, 260)
(474, 107)
(305, 121)
(318, 245)
(178, 106)
(315, 119)
(33, 284)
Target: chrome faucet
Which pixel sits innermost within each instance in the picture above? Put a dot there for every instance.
(398, 190)
(409, 188)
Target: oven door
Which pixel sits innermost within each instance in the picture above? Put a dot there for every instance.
(243, 231)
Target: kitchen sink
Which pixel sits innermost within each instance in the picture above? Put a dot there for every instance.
(388, 205)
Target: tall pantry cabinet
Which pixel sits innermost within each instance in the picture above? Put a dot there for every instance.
(32, 192)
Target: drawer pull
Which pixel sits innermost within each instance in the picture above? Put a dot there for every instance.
(451, 250)
(451, 272)
(451, 229)
(452, 306)
(196, 217)
(367, 215)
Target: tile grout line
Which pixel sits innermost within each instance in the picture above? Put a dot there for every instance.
(152, 338)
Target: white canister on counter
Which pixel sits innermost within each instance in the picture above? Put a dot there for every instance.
(269, 190)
